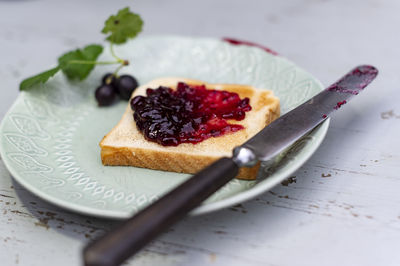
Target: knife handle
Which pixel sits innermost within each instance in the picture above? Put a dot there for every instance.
(129, 237)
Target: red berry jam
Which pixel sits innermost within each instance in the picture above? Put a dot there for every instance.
(350, 83)
(189, 114)
(339, 104)
(240, 42)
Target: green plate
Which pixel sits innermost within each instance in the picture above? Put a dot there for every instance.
(49, 138)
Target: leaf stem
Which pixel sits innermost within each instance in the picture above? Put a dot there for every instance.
(119, 61)
(83, 62)
(113, 53)
(118, 69)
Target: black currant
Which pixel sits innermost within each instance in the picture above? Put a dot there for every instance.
(110, 79)
(126, 84)
(105, 95)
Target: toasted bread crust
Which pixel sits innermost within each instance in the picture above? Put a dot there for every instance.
(162, 160)
(126, 146)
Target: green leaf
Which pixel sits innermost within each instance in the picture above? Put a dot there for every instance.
(79, 63)
(122, 26)
(28, 83)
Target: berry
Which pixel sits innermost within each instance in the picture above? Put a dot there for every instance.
(189, 114)
(125, 85)
(105, 95)
(110, 79)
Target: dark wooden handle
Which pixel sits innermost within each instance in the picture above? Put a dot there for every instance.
(128, 238)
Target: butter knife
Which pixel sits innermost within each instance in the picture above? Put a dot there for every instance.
(133, 234)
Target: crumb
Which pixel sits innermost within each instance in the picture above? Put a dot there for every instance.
(51, 214)
(389, 114)
(289, 181)
(213, 257)
(42, 224)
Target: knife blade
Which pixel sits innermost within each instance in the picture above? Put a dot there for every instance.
(267, 144)
(117, 245)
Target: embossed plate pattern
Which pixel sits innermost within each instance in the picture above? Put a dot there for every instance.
(49, 138)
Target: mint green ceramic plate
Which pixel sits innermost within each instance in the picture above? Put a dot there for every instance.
(49, 137)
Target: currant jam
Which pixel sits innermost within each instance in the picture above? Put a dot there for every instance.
(347, 84)
(339, 104)
(189, 114)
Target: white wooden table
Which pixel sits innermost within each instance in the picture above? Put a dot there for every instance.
(344, 206)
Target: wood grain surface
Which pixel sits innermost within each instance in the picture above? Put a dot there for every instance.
(341, 208)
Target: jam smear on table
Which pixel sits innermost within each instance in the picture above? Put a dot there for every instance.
(189, 114)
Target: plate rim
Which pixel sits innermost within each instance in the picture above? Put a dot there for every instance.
(259, 189)
(240, 197)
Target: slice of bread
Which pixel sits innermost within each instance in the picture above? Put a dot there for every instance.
(125, 145)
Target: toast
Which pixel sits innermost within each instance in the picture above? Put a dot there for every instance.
(125, 145)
